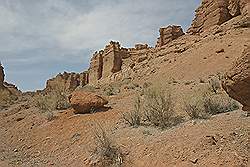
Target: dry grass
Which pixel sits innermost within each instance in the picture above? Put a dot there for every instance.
(106, 151)
(134, 117)
(158, 107)
(206, 104)
(56, 100)
(215, 85)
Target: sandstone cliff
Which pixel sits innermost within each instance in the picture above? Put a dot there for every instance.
(216, 12)
(237, 83)
(1, 76)
(168, 34)
(67, 82)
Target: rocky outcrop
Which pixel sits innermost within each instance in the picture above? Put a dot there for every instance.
(67, 82)
(106, 62)
(216, 12)
(237, 82)
(141, 46)
(168, 34)
(1, 76)
(96, 66)
(86, 102)
(9, 93)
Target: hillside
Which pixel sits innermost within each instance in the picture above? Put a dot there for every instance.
(36, 131)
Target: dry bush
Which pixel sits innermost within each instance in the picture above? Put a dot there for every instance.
(215, 85)
(134, 117)
(55, 100)
(111, 90)
(158, 108)
(216, 104)
(107, 152)
(205, 105)
(195, 108)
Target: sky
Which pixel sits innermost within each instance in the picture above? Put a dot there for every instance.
(41, 38)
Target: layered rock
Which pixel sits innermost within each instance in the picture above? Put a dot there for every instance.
(86, 102)
(141, 46)
(1, 76)
(96, 67)
(237, 83)
(216, 12)
(67, 82)
(168, 34)
(106, 62)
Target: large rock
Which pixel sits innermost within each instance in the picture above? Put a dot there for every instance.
(216, 12)
(84, 102)
(67, 82)
(168, 34)
(237, 83)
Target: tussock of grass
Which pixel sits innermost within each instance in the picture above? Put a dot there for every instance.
(106, 151)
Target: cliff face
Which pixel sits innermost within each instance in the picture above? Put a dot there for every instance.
(216, 12)
(237, 83)
(116, 63)
(168, 34)
(67, 81)
(106, 62)
(1, 76)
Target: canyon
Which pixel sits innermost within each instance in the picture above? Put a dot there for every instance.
(210, 61)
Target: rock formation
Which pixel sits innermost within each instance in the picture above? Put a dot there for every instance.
(1, 76)
(237, 83)
(106, 62)
(67, 82)
(86, 102)
(216, 12)
(96, 66)
(168, 34)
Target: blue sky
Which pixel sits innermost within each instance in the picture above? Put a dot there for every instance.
(40, 38)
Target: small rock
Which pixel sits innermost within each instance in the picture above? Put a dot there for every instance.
(220, 51)
(194, 161)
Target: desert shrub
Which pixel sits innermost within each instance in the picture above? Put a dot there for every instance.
(111, 90)
(207, 104)
(55, 100)
(219, 104)
(215, 85)
(134, 117)
(158, 108)
(195, 109)
(107, 152)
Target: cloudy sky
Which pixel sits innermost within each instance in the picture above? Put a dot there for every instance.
(40, 38)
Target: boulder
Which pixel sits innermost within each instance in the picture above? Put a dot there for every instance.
(168, 34)
(86, 102)
(237, 82)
